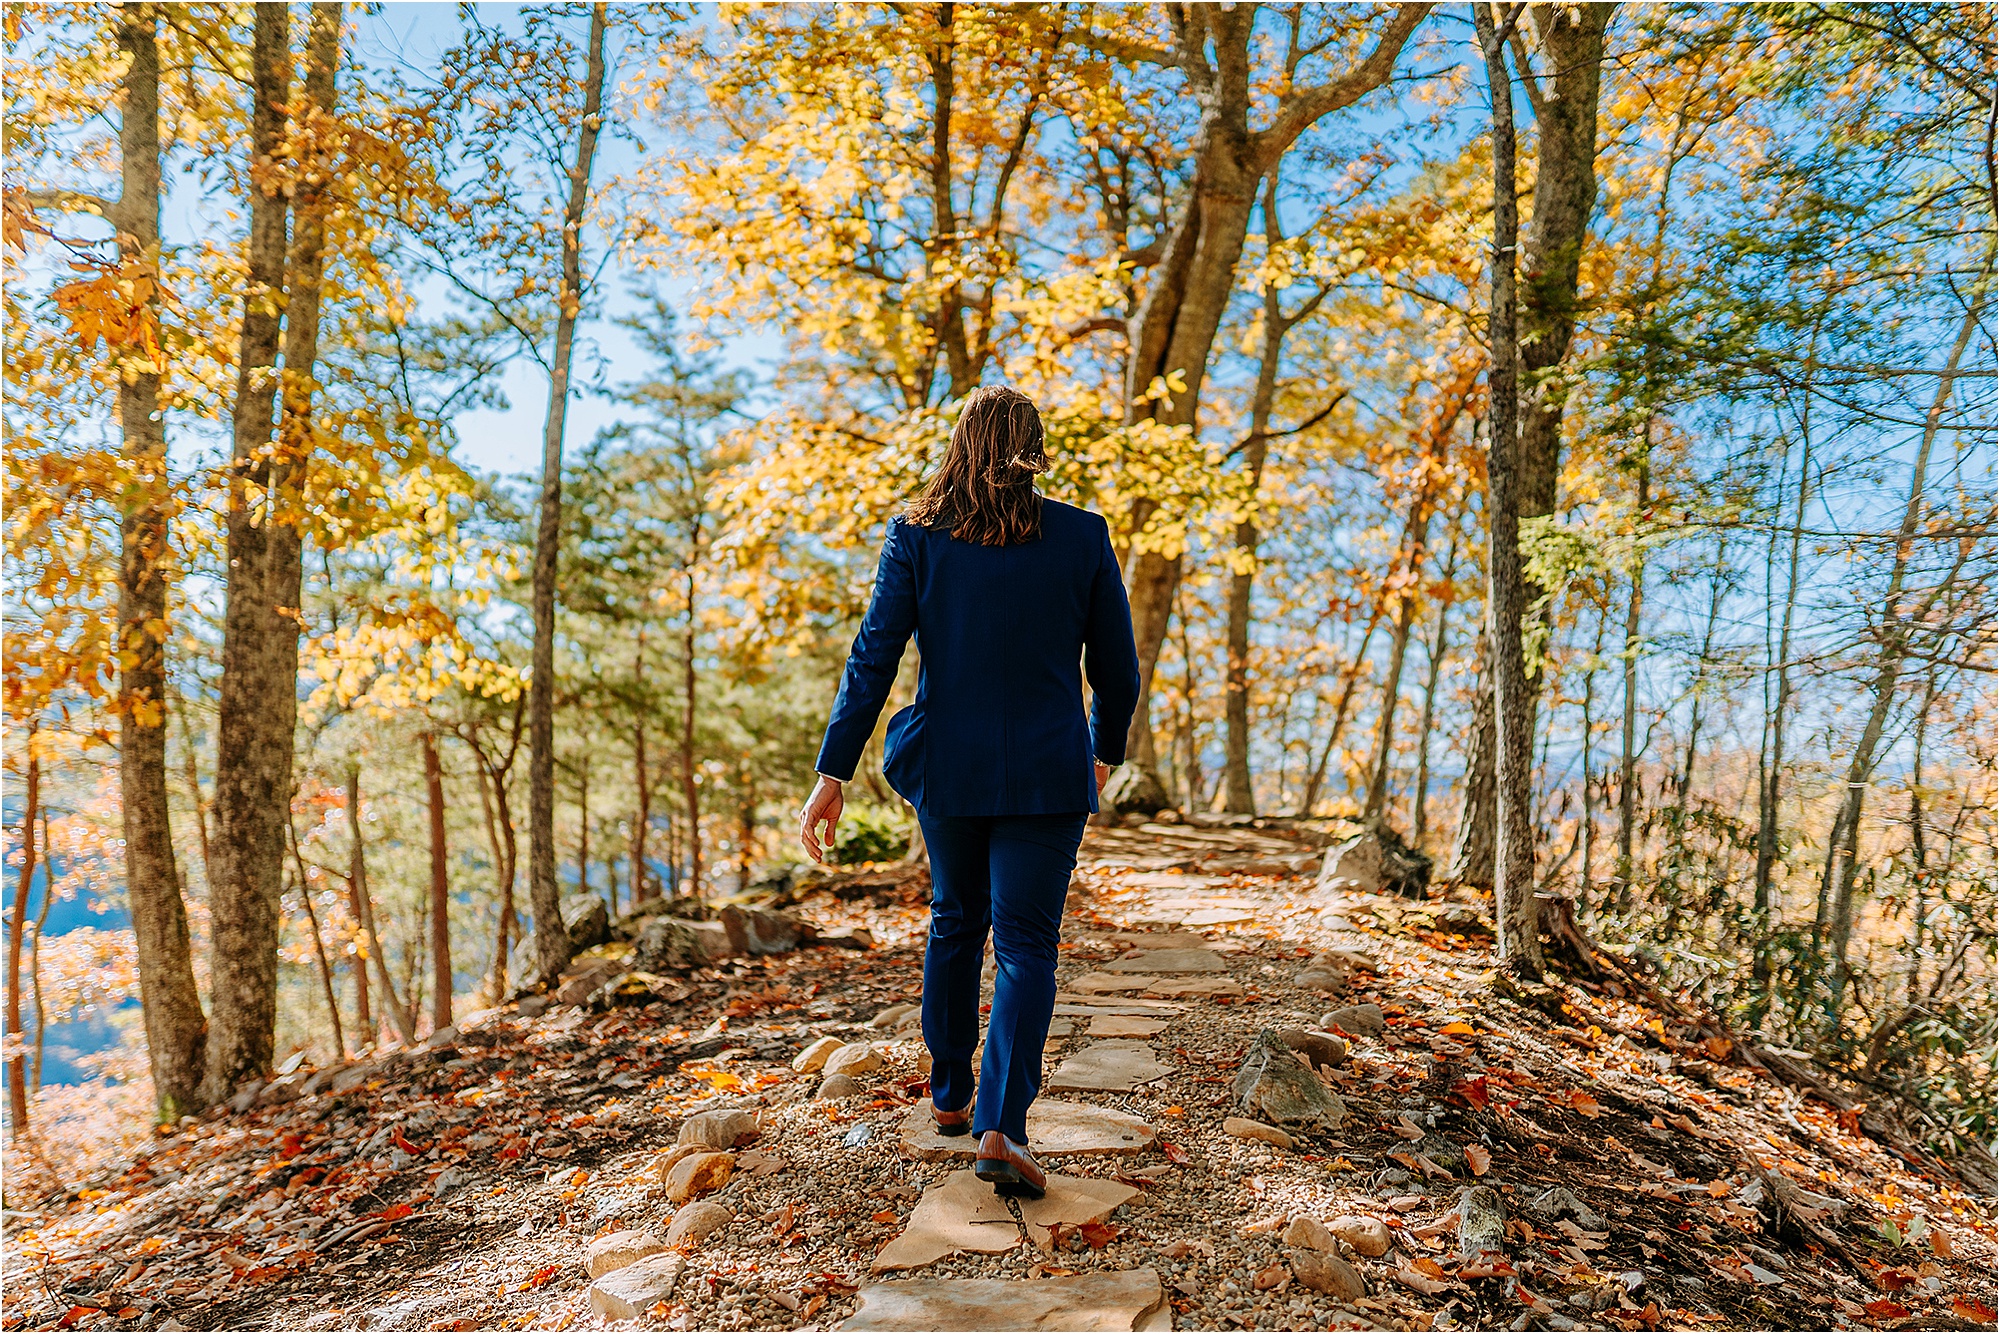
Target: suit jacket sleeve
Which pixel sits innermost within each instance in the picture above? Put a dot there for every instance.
(872, 662)
(1110, 659)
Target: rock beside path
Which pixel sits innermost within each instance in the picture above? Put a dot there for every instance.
(814, 1057)
(1362, 1021)
(1274, 1085)
(1246, 1129)
(1368, 1236)
(699, 1174)
(627, 1293)
(615, 1250)
(697, 1221)
(719, 1129)
(1131, 1300)
(1376, 861)
(1323, 1271)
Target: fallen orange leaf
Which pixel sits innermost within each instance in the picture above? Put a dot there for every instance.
(1458, 1028)
(1478, 1159)
(1584, 1105)
(1884, 1309)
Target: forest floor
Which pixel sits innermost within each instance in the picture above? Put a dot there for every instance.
(459, 1187)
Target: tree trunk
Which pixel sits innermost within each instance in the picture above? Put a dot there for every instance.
(1837, 882)
(1506, 601)
(1433, 669)
(1399, 646)
(1700, 682)
(1628, 746)
(642, 785)
(319, 945)
(746, 831)
(357, 878)
(1173, 330)
(690, 786)
(583, 837)
(258, 697)
(1239, 794)
(1589, 724)
(35, 953)
(1348, 682)
(504, 856)
(440, 888)
(191, 775)
(176, 1032)
(1474, 845)
(1572, 37)
(17, 929)
(1771, 786)
(552, 949)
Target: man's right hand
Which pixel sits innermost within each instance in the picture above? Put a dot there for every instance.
(1103, 772)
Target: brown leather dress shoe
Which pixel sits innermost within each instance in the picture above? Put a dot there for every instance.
(952, 1123)
(1009, 1166)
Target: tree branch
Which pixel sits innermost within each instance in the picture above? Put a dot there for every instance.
(1299, 111)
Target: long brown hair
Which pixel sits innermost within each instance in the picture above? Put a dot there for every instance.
(985, 492)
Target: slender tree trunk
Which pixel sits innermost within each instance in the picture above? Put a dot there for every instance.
(496, 973)
(1837, 882)
(1399, 646)
(746, 830)
(1238, 790)
(583, 835)
(1507, 603)
(1700, 683)
(552, 945)
(35, 952)
(1772, 785)
(319, 944)
(441, 988)
(1433, 669)
(1352, 677)
(357, 877)
(1589, 727)
(642, 783)
(364, 1019)
(690, 785)
(1919, 858)
(1628, 746)
(176, 1031)
(191, 775)
(1473, 846)
(17, 928)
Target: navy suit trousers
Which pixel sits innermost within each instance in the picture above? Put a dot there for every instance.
(1009, 874)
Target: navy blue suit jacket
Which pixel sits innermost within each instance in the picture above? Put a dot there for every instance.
(998, 726)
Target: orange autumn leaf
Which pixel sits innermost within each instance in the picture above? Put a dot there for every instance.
(1884, 1309)
(1478, 1159)
(1458, 1028)
(1967, 1308)
(1584, 1105)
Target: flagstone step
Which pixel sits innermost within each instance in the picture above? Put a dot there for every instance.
(1129, 1300)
